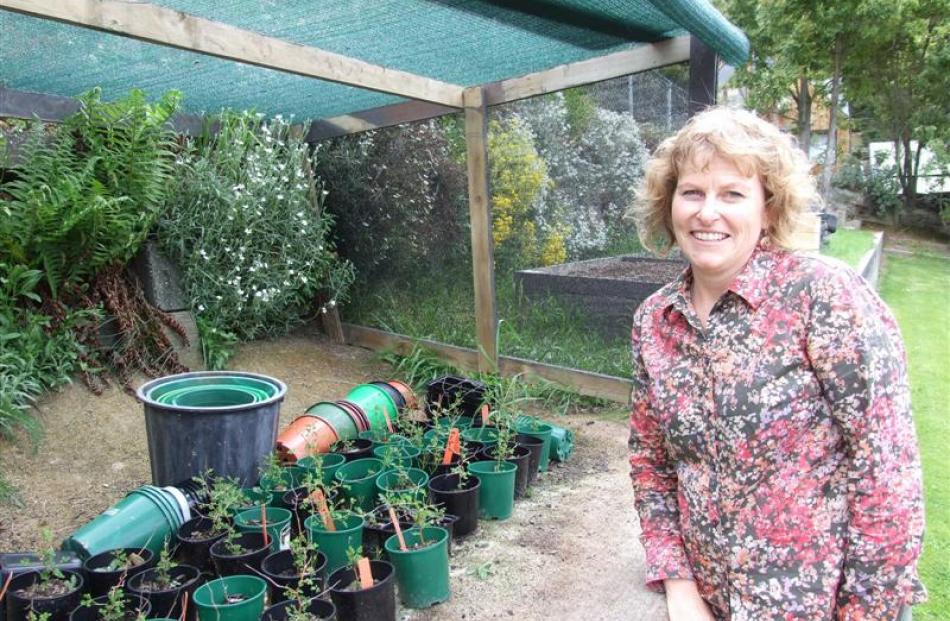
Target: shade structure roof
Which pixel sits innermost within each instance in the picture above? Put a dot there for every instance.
(458, 42)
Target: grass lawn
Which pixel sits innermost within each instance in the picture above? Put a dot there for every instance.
(917, 288)
(849, 245)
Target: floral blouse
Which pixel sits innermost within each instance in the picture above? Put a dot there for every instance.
(773, 456)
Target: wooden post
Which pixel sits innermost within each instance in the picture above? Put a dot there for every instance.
(479, 197)
(703, 76)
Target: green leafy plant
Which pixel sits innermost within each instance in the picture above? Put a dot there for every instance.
(117, 606)
(247, 226)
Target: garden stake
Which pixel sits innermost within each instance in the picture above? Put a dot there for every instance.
(264, 525)
(365, 572)
(452, 445)
(184, 608)
(485, 415)
(389, 423)
(320, 500)
(402, 540)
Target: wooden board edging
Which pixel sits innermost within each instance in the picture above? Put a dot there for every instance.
(584, 382)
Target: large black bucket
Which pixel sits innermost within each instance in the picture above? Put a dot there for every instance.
(225, 421)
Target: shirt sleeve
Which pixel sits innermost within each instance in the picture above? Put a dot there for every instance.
(858, 356)
(654, 479)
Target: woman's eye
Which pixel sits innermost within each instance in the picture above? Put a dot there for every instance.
(732, 194)
(691, 193)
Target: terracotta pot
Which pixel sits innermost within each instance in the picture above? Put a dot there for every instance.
(306, 435)
(407, 394)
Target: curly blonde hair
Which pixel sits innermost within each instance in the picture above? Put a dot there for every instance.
(754, 146)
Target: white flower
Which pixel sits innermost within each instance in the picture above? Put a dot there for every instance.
(201, 308)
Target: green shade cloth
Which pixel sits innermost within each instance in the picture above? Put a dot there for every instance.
(465, 42)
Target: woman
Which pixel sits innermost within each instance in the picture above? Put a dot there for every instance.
(772, 450)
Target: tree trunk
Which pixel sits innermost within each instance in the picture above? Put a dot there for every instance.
(804, 114)
(831, 151)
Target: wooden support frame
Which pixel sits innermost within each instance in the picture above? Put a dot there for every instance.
(615, 65)
(479, 202)
(584, 382)
(643, 58)
(156, 24)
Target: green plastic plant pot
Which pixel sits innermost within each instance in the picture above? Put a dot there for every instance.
(496, 495)
(335, 416)
(397, 455)
(328, 463)
(359, 477)
(278, 525)
(290, 478)
(542, 431)
(392, 483)
(422, 571)
(376, 403)
(334, 544)
(215, 600)
(485, 436)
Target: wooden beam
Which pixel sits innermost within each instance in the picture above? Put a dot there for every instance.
(479, 206)
(156, 24)
(703, 76)
(635, 60)
(583, 382)
(374, 118)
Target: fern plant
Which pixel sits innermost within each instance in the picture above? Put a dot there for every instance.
(87, 197)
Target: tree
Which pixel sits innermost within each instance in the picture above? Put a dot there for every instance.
(896, 71)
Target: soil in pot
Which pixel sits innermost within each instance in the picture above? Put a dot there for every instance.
(376, 603)
(458, 497)
(195, 538)
(167, 591)
(30, 592)
(239, 555)
(106, 569)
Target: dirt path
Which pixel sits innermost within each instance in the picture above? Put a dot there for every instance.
(568, 552)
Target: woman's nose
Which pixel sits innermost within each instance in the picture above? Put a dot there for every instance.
(709, 210)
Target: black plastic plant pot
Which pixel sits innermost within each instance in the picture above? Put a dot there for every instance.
(377, 603)
(283, 575)
(355, 449)
(317, 609)
(100, 575)
(536, 446)
(247, 562)
(379, 527)
(20, 603)
(167, 598)
(458, 498)
(464, 395)
(448, 523)
(195, 539)
(134, 607)
(520, 457)
(298, 502)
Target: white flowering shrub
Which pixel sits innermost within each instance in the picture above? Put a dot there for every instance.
(594, 170)
(246, 225)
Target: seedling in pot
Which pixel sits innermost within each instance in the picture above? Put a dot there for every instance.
(53, 582)
(162, 579)
(116, 607)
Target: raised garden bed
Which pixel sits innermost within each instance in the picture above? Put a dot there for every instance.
(606, 291)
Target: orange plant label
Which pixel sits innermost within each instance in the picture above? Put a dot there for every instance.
(389, 423)
(395, 521)
(485, 415)
(452, 445)
(264, 526)
(365, 572)
(322, 509)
